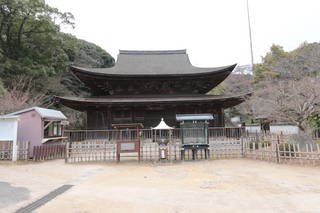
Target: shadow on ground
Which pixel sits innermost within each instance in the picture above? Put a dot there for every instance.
(11, 195)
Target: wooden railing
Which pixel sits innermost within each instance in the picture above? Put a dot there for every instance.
(146, 134)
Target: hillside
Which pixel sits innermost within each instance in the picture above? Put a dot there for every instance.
(35, 56)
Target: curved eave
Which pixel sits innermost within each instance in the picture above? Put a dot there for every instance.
(198, 72)
(83, 103)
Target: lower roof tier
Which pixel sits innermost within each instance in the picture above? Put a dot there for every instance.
(83, 104)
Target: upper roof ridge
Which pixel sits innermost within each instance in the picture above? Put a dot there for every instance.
(152, 52)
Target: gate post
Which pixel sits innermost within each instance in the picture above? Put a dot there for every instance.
(14, 150)
(105, 151)
(14, 141)
(66, 152)
(278, 149)
(242, 148)
(277, 153)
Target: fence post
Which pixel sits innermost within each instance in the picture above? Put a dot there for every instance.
(28, 152)
(242, 148)
(105, 151)
(14, 135)
(66, 152)
(277, 150)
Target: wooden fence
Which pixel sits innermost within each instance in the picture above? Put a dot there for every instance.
(226, 149)
(146, 134)
(6, 150)
(23, 150)
(223, 143)
(272, 148)
(87, 151)
(49, 152)
(103, 150)
(281, 152)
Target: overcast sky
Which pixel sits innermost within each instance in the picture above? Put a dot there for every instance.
(214, 32)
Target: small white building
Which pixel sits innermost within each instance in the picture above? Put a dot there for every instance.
(9, 134)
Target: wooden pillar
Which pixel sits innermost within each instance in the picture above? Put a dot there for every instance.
(222, 117)
(104, 122)
(90, 117)
(133, 115)
(109, 117)
(218, 121)
(86, 119)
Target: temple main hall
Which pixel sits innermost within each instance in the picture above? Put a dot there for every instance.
(145, 86)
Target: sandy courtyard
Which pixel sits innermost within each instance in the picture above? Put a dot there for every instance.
(203, 186)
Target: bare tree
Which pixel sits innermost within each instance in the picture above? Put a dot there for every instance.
(287, 100)
(20, 95)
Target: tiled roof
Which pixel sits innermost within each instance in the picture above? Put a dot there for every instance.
(155, 63)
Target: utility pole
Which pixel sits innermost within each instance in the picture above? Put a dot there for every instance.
(250, 34)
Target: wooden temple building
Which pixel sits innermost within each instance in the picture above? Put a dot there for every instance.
(145, 86)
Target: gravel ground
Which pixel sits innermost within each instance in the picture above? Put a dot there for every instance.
(202, 186)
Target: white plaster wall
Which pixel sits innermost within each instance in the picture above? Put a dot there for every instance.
(8, 132)
(253, 128)
(284, 129)
(8, 129)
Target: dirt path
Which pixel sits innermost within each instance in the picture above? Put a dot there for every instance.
(206, 186)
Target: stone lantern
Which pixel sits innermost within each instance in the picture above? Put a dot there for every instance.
(162, 135)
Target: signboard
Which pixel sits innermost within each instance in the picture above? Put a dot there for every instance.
(128, 147)
(65, 123)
